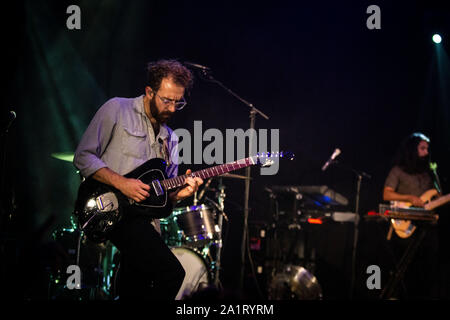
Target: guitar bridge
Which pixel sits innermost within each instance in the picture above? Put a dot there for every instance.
(157, 187)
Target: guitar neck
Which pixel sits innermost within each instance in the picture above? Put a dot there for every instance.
(176, 182)
(438, 202)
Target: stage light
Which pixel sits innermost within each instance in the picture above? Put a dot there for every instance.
(437, 38)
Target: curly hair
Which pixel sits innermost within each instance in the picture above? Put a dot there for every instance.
(156, 71)
(407, 156)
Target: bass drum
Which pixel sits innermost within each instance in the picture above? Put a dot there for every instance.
(197, 271)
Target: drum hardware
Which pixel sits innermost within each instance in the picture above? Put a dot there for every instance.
(221, 200)
(291, 256)
(95, 261)
(234, 176)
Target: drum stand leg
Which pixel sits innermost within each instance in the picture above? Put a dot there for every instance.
(221, 199)
(217, 283)
(80, 235)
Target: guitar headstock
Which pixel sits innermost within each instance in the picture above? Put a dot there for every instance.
(266, 159)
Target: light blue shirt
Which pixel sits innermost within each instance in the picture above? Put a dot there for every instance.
(121, 137)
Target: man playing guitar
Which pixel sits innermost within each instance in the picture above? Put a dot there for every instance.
(410, 183)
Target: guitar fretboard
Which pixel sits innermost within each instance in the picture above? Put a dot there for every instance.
(438, 202)
(176, 182)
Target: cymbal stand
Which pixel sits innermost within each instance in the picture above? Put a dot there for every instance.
(206, 74)
(195, 199)
(221, 200)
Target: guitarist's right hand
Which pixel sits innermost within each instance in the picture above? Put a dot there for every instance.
(134, 189)
(416, 201)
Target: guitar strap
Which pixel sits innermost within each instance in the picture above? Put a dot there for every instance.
(161, 148)
(166, 152)
(436, 182)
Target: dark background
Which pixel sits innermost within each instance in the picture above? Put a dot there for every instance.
(324, 79)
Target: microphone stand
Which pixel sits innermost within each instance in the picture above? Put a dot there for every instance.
(206, 75)
(359, 175)
(221, 200)
(5, 200)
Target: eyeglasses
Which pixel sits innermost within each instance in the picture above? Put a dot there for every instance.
(179, 104)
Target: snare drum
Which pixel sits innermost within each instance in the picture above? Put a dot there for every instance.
(196, 224)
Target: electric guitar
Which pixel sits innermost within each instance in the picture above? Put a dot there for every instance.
(405, 228)
(99, 207)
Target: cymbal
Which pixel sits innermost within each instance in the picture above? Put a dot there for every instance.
(64, 156)
(233, 176)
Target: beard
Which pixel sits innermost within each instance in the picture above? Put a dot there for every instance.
(423, 164)
(161, 117)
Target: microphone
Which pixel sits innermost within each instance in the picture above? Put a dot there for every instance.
(336, 152)
(11, 116)
(196, 65)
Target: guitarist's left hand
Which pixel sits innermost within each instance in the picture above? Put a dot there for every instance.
(191, 187)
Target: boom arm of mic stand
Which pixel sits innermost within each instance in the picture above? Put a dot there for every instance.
(210, 78)
(357, 172)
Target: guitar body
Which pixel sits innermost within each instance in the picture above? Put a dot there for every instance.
(99, 206)
(405, 228)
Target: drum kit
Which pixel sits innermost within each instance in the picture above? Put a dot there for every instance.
(193, 233)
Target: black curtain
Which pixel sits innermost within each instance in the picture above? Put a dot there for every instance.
(324, 79)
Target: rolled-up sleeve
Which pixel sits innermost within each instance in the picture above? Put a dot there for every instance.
(95, 139)
(392, 179)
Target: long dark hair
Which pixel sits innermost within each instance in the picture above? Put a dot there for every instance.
(407, 156)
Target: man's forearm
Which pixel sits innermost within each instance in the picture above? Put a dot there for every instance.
(107, 176)
(389, 195)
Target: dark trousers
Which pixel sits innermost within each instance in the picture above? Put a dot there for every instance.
(421, 279)
(148, 268)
